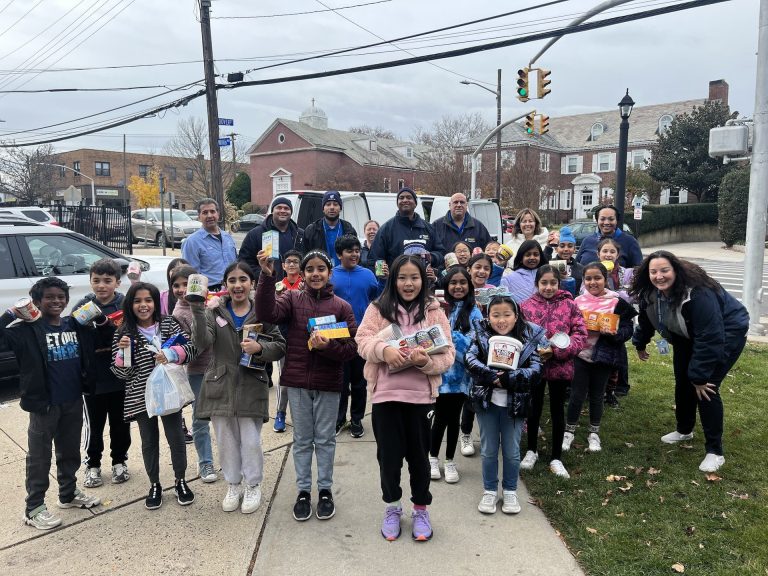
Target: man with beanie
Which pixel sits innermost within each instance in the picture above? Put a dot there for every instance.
(291, 236)
(322, 234)
(405, 229)
(457, 225)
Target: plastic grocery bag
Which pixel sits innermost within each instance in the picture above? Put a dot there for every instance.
(167, 390)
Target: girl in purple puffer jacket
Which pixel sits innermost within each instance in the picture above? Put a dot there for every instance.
(554, 310)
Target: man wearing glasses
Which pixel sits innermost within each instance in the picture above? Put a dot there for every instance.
(458, 225)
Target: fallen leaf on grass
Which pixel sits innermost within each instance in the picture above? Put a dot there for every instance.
(661, 499)
(591, 530)
(724, 515)
(731, 390)
(559, 492)
(620, 515)
(627, 487)
(534, 501)
(629, 444)
(694, 482)
(686, 446)
(701, 546)
(615, 478)
(712, 477)
(737, 495)
(653, 471)
(650, 483)
(677, 567)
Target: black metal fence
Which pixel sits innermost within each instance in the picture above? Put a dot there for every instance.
(110, 225)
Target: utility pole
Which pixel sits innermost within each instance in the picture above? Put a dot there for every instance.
(498, 137)
(125, 177)
(758, 184)
(213, 107)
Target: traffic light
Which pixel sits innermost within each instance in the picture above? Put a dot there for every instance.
(523, 94)
(543, 82)
(543, 124)
(529, 126)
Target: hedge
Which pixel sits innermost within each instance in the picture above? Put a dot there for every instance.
(733, 202)
(659, 217)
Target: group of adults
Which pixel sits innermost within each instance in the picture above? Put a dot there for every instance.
(702, 322)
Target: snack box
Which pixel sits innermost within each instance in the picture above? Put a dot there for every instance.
(596, 320)
(319, 321)
(335, 330)
(270, 243)
(254, 333)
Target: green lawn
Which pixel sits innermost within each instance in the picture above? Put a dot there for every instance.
(665, 512)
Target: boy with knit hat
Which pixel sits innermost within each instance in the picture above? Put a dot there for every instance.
(322, 234)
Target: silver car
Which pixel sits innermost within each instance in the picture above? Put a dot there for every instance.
(146, 224)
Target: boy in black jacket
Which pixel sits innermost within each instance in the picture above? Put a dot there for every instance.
(106, 398)
(53, 367)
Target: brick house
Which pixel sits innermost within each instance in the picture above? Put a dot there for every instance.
(577, 158)
(307, 155)
(106, 168)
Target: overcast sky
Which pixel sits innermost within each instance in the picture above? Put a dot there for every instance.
(662, 59)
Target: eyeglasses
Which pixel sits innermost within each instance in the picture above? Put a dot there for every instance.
(291, 262)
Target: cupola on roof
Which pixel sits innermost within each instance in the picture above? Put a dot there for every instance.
(315, 117)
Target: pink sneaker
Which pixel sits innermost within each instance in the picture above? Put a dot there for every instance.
(422, 527)
(390, 528)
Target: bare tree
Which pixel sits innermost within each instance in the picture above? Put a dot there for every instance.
(523, 183)
(26, 174)
(375, 131)
(345, 178)
(191, 146)
(443, 167)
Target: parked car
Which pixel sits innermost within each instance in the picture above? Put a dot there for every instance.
(32, 212)
(192, 214)
(583, 227)
(146, 224)
(29, 252)
(247, 222)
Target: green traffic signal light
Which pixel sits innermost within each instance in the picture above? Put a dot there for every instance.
(522, 91)
(529, 130)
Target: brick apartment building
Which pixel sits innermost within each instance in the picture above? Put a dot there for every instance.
(577, 158)
(110, 170)
(308, 155)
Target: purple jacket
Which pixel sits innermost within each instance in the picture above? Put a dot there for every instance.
(521, 284)
(558, 314)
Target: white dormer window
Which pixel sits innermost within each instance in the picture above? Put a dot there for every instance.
(596, 131)
(664, 123)
(372, 145)
(408, 152)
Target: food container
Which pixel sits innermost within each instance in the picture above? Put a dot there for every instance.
(134, 271)
(608, 265)
(379, 270)
(86, 313)
(560, 340)
(127, 356)
(270, 244)
(436, 334)
(26, 309)
(423, 340)
(451, 260)
(197, 288)
(505, 252)
(504, 352)
(562, 267)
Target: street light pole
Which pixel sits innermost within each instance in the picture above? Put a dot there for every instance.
(625, 109)
(93, 186)
(497, 93)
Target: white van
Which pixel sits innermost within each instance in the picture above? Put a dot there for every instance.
(359, 207)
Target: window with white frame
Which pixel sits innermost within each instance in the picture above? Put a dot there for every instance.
(553, 201)
(508, 158)
(281, 184)
(604, 162)
(543, 162)
(664, 123)
(76, 165)
(638, 159)
(596, 131)
(408, 152)
(62, 172)
(586, 198)
(386, 185)
(572, 165)
(565, 199)
(400, 184)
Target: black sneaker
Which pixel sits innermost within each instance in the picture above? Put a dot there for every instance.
(325, 506)
(302, 510)
(184, 495)
(155, 498)
(187, 435)
(356, 429)
(343, 425)
(611, 400)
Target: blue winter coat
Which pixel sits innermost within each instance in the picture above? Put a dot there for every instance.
(457, 379)
(521, 381)
(629, 257)
(399, 232)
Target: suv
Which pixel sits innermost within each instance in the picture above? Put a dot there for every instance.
(29, 252)
(30, 212)
(147, 224)
(584, 227)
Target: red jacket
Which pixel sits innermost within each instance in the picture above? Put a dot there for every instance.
(304, 368)
(558, 314)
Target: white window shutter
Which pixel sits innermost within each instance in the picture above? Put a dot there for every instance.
(564, 165)
(612, 162)
(580, 165)
(595, 166)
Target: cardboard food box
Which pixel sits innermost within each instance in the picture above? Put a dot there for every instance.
(335, 330)
(319, 321)
(597, 320)
(431, 339)
(270, 243)
(253, 332)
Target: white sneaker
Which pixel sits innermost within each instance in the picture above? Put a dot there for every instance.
(530, 459)
(567, 441)
(80, 500)
(510, 505)
(488, 502)
(467, 447)
(557, 468)
(594, 443)
(251, 499)
(711, 463)
(451, 473)
(92, 478)
(231, 501)
(434, 468)
(675, 437)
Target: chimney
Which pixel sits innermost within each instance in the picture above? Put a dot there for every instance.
(718, 90)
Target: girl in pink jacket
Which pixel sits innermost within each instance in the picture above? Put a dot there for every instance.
(554, 310)
(403, 383)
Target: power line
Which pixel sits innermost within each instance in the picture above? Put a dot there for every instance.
(298, 13)
(114, 89)
(587, 26)
(7, 6)
(21, 17)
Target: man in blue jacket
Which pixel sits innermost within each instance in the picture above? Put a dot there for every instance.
(404, 230)
(323, 233)
(358, 286)
(457, 225)
(609, 226)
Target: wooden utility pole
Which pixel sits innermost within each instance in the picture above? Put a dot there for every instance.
(213, 107)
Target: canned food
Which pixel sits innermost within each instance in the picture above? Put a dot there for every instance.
(197, 288)
(451, 260)
(86, 313)
(437, 335)
(26, 309)
(411, 342)
(379, 270)
(423, 339)
(116, 318)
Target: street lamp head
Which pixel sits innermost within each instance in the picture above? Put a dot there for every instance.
(625, 106)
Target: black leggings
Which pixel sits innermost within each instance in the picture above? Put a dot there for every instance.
(447, 412)
(556, 400)
(467, 416)
(590, 379)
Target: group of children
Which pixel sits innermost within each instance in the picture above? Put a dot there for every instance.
(418, 393)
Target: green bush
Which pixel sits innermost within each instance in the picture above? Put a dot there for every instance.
(247, 208)
(659, 217)
(733, 203)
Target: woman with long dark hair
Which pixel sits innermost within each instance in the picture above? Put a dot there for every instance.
(707, 328)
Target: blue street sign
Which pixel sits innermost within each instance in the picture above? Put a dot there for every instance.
(226, 122)
(225, 141)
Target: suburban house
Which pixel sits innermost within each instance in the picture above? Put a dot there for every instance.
(576, 159)
(308, 155)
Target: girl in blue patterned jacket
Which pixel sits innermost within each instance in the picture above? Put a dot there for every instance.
(460, 296)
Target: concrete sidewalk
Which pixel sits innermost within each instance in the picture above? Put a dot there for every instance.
(122, 537)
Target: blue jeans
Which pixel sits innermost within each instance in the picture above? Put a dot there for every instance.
(497, 428)
(201, 430)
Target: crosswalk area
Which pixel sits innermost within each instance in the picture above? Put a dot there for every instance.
(731, 277)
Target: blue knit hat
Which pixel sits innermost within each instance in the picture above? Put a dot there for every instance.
(332, 196)
(566, 235)
(409, 191)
